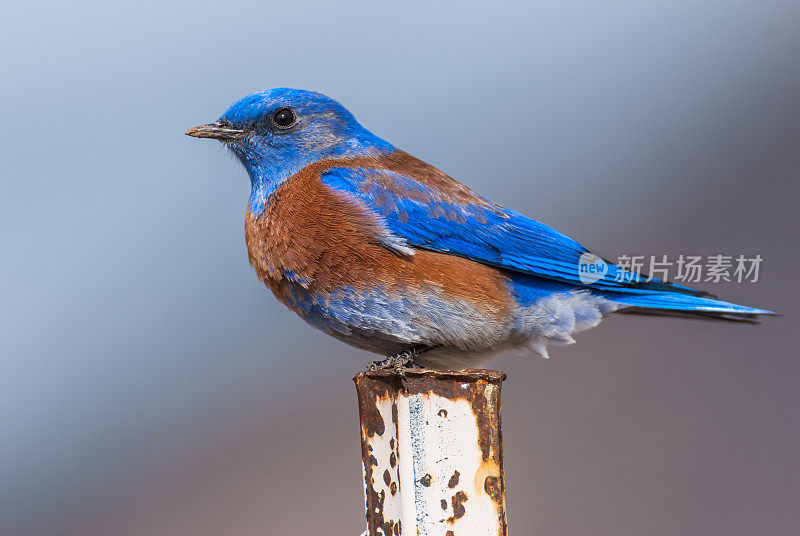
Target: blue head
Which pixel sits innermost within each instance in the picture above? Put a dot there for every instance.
(278, 132)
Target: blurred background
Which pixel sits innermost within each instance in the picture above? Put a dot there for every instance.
(150, 385)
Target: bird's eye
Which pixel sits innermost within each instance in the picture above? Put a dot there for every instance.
(284, 118)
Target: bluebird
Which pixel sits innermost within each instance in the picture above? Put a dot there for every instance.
(391, 255)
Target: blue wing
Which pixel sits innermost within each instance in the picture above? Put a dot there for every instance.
(442, 215)
(428, 217)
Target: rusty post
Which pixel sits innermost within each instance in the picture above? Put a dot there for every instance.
(432, 451)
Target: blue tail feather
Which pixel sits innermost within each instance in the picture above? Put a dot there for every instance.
(674, 301)
(648, 298)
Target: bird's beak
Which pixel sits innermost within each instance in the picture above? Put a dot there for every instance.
(217, 131)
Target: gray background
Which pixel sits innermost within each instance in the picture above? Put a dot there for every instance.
(149, 385)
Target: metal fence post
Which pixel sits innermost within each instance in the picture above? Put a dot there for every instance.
(432, 451)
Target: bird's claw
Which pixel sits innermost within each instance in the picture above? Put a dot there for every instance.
(399, 362)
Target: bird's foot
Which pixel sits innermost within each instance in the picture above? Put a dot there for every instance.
(400, 362)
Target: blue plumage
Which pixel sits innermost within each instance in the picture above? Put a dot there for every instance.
(385, 252)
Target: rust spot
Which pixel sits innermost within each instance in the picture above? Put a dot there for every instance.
(426, 480)
(458, 501)
(398, 528)
(492, 487)
(449, 533)
(387, 478)
(442, 413)
(392, 460)
(393, 488)
(391, 443)
(375, 502)
(453, 480)
(373, 460)
(444, 504)
(369, 394)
